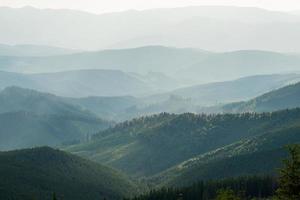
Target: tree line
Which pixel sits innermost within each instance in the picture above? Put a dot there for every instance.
(286, 186)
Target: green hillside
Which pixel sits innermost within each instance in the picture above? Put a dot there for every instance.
(283, 98)
(25, 129)
(29, 118)
(248, 187)
(14, 99)
(149, 145)
(259, 155)
(38, 173)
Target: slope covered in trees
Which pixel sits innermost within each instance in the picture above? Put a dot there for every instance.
(283, 98)
(149, 145)
(257, 155)
(38, 173)
(29, 118)
(246, 187)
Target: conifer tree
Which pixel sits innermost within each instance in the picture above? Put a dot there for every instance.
(289, 180)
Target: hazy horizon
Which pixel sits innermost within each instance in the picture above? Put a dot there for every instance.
(101, 6)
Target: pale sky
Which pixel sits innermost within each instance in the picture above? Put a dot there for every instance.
(99, 6)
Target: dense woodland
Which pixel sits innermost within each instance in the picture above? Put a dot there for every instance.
(284, 186)
(120, 110)
(246, 187)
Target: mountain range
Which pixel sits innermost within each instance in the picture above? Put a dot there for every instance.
(80, 83)
(33, 50)
(214, 28)
(240, 89)
(167, 67)
(286, 97)
(148, 146)
(170, 103)
(189, 99)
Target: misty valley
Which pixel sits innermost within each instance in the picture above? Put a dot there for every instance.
(199, 102)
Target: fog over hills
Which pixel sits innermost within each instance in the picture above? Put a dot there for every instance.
(33, 50)
(171, 97)
(80, 83)
(231, 91)
(174, 67)
(214, 28)
(29, 118)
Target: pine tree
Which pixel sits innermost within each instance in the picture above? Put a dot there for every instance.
(289, 180)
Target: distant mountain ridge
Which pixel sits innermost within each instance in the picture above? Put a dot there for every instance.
(179, 27)
(33, 50)
(185, 66)
(231, 91)
(80, 83)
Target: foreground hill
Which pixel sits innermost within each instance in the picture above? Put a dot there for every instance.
(258, 155)
(283, 98)
(38, 173)
(29, 118)
(150, 145)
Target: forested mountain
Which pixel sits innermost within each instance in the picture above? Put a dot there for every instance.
(283, 98)
(258, 155)
(25, 129)
(29, 118)
(252, 187)
(187, 103)
(209, 27)
(33, 50)
(149, 145)
(38, 173)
